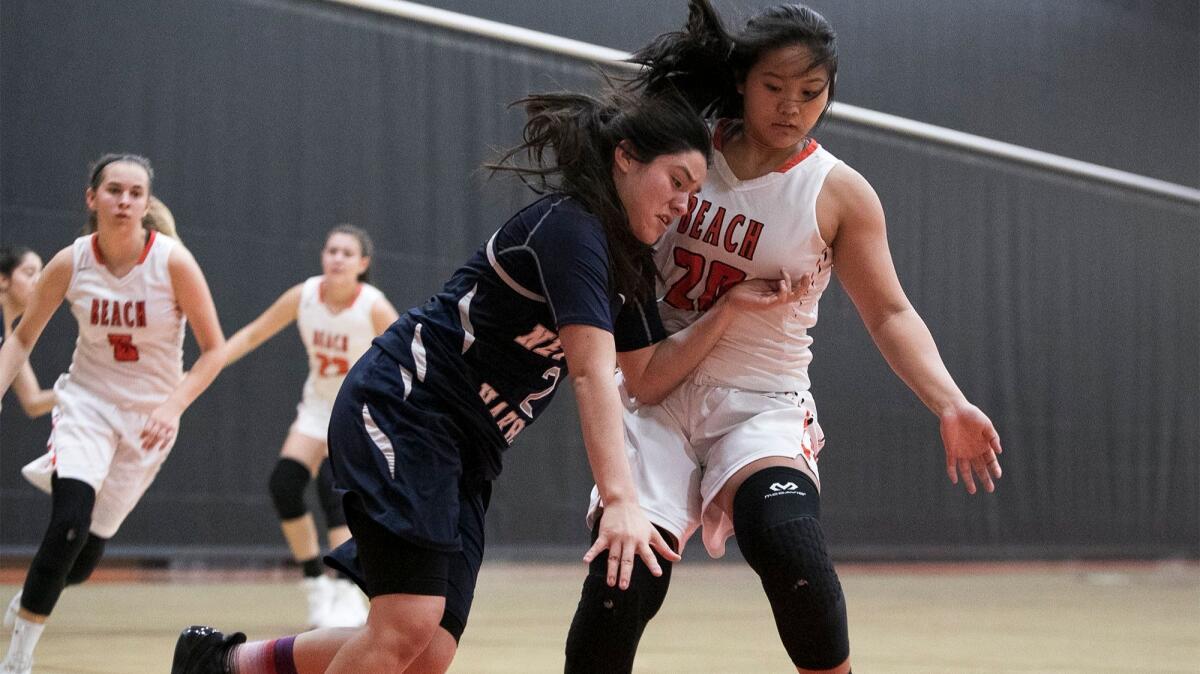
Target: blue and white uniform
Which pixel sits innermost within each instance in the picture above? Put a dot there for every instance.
(421, 424)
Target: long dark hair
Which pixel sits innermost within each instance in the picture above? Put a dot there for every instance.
(705, 62)
(10, 259)
(569, 140)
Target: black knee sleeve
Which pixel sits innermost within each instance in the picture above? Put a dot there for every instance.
(331, 499)
(288, 481)
(86, 561)
(609, 621)
(775, 519)
(70, 517)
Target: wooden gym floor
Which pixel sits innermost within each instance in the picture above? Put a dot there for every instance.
(1070, 617)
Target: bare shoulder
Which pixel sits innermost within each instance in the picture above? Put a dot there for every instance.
(61, 267)
(848, 200)
(180, 258)
(848, 187)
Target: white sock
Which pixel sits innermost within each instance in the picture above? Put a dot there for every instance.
(24, 639)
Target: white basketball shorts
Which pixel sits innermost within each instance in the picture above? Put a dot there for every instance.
(98, 443)
(312, 419)
(683, 450)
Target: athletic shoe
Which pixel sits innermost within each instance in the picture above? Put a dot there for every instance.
(201, 650)
(348, 608)
(10, 615)
(321, 594)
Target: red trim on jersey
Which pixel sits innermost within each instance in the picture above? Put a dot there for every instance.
(149, 242)
(722, 127)
(145, 250)
(96, 248)
(809, 148)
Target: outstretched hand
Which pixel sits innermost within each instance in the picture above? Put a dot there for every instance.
(972, 446)
(625, 532)
(759, 294)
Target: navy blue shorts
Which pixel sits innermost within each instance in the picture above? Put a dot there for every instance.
(417, 522)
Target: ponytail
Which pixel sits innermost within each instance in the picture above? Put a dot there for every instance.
(706, 63)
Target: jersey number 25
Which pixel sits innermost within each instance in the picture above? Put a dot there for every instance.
(720, 277)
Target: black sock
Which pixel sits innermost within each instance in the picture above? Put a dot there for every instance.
(312, 567)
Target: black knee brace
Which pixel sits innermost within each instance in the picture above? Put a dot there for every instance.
(331, 499)
(775, 519)
(70, 517)
(86, 561)
(609, 621)
(288, 481)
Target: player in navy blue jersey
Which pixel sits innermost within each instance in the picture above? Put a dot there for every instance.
(423, 420)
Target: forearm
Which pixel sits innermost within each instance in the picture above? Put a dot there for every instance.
(13, 356)
(677, 356)
(604, 437)
(909, 349)
(240, 344)
(203, 372)
(35, 401)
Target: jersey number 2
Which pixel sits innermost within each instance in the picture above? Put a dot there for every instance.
(124, 350)
(720, 277)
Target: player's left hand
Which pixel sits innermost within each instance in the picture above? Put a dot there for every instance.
(160, 429)
(972, 445)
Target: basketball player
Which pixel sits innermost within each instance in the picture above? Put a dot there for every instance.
(422, 422)
(734, 449)
(338, 314)
(20, 269)
(131, 291)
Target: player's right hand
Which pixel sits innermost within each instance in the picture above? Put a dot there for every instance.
(759, 294)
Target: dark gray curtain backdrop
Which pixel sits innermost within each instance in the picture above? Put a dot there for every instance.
(1069, 311)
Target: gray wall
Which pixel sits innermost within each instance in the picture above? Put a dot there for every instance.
(1069, 311)
(1115, 82)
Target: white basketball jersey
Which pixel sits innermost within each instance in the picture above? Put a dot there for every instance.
(745, 229)
(334, 341)
(130, 346)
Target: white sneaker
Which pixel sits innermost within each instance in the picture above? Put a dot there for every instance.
(349, 608)
(10, 615)
(321, 594)
(13, 665)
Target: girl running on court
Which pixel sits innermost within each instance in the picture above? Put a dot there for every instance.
(733, 450)
(131, 290)
(338, 314)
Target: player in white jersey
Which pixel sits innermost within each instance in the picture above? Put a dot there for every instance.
(734, 449)
(338, 314)
(131, 291)
(20, 269)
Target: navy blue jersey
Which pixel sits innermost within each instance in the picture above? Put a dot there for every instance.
(488, 345)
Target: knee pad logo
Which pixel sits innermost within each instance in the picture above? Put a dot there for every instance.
(783, 487)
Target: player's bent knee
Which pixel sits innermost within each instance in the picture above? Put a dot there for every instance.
(775, 521)
(287, 484)
(609, 621)
(403, 625)
(87, 560)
